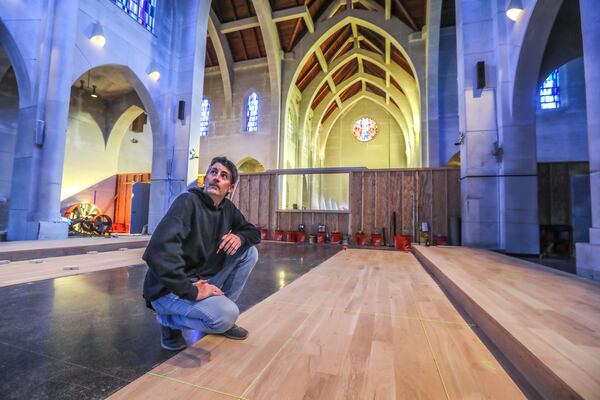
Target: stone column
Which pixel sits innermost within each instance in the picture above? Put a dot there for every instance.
(477, 123)
(35, 209)
(588, 254)
(172, 168)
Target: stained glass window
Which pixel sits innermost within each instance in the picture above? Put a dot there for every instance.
(364, 129)
(142, 11)
(252, 113)
(550, 92)
(204, 117)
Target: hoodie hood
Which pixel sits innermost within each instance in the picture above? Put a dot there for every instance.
(207, 200)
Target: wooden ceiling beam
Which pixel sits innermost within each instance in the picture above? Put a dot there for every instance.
(322, 60)
(295, 13)
(239, 25)
(388, 9)
(406, 14)
(224, 56)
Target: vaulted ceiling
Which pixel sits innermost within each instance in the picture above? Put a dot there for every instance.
(294, 19)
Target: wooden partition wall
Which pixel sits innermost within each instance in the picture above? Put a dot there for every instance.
(429, 195)
(125, 183)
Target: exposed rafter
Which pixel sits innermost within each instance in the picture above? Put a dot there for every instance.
(406, 14)
(240, 25)
(223, 55)
(295, 13)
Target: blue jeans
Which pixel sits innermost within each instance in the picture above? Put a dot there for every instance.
(214, 314)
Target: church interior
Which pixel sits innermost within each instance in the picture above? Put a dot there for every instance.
(425, 176)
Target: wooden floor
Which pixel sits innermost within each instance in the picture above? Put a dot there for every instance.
(363, 325)
(55, 267)
(32, 249)
(545, 321)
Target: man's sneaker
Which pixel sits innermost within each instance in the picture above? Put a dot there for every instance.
(236, 333)
(171, 339)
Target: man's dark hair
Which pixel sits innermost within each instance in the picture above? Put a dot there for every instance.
(227, 164)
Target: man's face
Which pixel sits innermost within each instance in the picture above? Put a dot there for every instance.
(217, 182)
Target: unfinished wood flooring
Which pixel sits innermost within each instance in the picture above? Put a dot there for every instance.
(55, 267)
(545, 321)
(363, 325)
(31, 249)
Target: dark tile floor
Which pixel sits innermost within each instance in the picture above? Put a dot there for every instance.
(86, 336)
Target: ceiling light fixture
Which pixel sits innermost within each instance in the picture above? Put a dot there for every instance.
(515, 9)
(97, 36)
(153, 71)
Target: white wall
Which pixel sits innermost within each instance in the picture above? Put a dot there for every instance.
(135, 157)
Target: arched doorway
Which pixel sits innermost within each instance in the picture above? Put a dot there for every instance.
(250, 165)
(108, 124)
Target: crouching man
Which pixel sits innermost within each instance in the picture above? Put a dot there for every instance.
(199, 258)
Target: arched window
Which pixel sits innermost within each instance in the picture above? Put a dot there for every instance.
(364, 129)
(550, 92)
(141, 11)
(204, 117)
(252, 113)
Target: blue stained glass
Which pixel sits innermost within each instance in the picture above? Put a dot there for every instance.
(141, 11)
(252, 113)
(550, 92)
(204, 117)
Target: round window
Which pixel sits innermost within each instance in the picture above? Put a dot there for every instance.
(364, 129)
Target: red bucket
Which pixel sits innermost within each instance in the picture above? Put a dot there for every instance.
(278, 235)
(264, 234)
(336, 237)
(440, 240)
(300, 237)
(290, 236)
(402, 242)
(361, 238)
(376, 239)
(321, 236)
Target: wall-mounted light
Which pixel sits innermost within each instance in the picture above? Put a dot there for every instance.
(94, 91)
(97, 35)
(515, 9)
(153, 71)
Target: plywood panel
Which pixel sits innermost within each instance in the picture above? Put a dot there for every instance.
(254, 194)
(356, 202)
(409, 198)
(439, 201)
(369, 182)
(424, 202)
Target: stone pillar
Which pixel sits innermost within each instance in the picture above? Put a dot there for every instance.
(172, 167)
(477, 125)
(588, 254)
(35, 211)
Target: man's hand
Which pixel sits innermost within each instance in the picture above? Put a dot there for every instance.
(205, 290)
(230, 243)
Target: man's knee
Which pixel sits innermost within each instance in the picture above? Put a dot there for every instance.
(224, 314)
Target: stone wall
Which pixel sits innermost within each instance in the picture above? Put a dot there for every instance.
(448, 95)
(562, 133)
(226, 135)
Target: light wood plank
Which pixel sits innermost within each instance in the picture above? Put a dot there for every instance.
(545, 321)
(363, 324)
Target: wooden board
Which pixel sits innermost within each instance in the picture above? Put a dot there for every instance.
(546, 322)
(56, 267)
(30, 249)
(362, 325)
